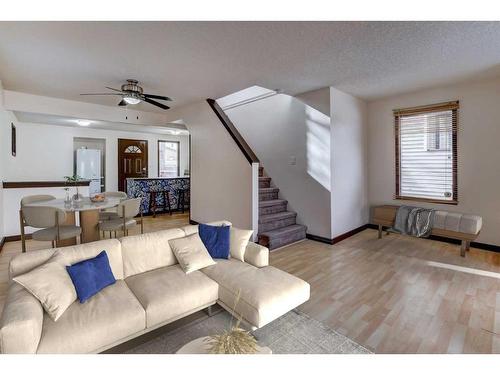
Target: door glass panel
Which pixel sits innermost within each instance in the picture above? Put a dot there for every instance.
(168, 159)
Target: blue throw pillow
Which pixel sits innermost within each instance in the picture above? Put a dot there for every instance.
(91, 276)
(215, 239)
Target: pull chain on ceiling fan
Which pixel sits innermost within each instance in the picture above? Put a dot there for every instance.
(132, 93)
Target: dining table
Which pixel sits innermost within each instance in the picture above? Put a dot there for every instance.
(88, 214)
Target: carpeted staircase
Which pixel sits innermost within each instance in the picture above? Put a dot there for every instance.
(277, 226)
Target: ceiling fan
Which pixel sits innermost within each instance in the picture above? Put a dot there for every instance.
(132, 93)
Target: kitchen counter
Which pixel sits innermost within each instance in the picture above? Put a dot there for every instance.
(143, 187)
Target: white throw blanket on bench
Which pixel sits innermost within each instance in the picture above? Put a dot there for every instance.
(414, 221)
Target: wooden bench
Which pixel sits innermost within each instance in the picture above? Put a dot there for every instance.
(447, 224)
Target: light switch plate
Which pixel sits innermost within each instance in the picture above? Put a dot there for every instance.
(292, 160)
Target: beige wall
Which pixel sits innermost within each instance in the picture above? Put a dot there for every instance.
(478, 150)
(349, 201)
(221, 177)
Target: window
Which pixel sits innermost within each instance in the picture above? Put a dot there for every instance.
(426, 153)
(168, 159)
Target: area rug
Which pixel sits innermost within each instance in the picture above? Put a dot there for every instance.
(293, 333)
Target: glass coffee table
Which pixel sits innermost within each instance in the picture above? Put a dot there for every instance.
(200, 346)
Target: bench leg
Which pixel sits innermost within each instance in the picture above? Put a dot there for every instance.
(379, 231)
(463, 248)
(467, 246)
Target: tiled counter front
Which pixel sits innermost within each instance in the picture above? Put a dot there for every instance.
(142, 187)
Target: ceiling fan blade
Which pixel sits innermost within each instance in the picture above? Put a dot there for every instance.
(113, 89)
(162, 106)
(103, 93)
(122, 103)
(157, 97)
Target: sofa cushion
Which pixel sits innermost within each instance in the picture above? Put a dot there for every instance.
(168, 293)
(91, 276)
(457, 222)
(191, 253)
(265, 293)
(51, 285)
(215, 239)
(68, 255)
(111, 315)
(148, 251)
(238, 242)
(192, 229)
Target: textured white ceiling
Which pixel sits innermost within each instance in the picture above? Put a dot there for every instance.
(189, 61)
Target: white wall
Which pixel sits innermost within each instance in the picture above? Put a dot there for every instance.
(478, 150)
(282, 127)
(45, 152)
(221, 177)
(349, 202)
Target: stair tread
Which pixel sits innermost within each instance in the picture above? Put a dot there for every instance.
(268, 190)
(283, 231)
(272, 202)
(276, 216)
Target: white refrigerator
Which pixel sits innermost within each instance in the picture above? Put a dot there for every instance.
(88, 167)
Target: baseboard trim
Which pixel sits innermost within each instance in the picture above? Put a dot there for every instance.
(193, 222)
(477, 245)
(313, 237)
(337, 239)
(2, 242)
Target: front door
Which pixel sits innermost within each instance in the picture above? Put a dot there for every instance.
(132, 160)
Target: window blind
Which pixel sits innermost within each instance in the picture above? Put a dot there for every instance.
(426, 153)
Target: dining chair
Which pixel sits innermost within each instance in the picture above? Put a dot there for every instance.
(110, 213)
(27, 200)
(127, 210)
(51, 220)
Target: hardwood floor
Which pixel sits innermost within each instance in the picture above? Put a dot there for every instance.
(394, 295)
(398, 295)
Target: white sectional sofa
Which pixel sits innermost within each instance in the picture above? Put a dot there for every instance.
(151, 290)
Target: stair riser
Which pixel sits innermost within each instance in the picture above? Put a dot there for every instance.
(264, 184)
(268, 196)
(264, 227)
(272, 209)
(274, 243)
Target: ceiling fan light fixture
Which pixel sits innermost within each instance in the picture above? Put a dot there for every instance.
(131, 100)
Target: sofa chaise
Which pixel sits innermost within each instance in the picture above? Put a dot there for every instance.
(151, 290)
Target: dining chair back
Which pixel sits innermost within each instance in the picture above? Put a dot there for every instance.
(43, 217)
(36, 198)
(115, 194)
(129, 208)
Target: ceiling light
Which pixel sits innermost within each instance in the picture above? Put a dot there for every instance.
(131, 100)
(83, 122)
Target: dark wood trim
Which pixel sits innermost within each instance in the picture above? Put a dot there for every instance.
(2, 242)
(313, 237)
(348, 234)
(435, 201)
(193, 222)
(178, 155)
(398, 113)
(338, 238)
(477, 245)
(16, 237)
(41, 184)
(233, 132)
(13, 139)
